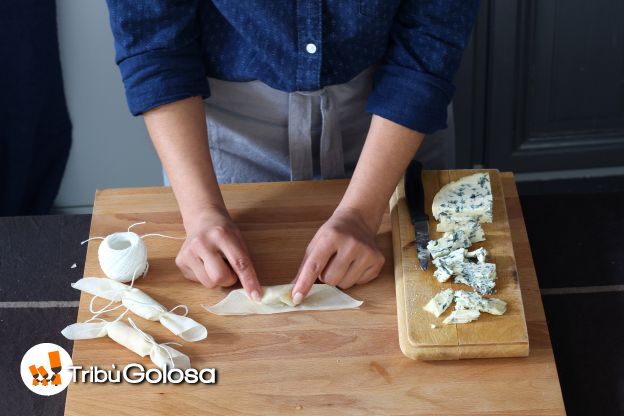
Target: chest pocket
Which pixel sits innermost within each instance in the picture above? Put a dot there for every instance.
(383, 9)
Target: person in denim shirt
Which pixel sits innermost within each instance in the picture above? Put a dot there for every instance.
(279, 90)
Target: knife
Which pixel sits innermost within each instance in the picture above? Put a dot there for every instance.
(415, 197)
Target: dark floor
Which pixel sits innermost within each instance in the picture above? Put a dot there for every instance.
(577, 246)
(578, 250)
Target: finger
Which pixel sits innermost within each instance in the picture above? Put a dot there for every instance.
(311, 268)
(214, 265)
(355, 272)
(188, 273)
(237, 255)
(199, 271)
(372, 272)
(336, 269)
(218, 270)
(180, 261)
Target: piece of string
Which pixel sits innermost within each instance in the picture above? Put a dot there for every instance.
(91, 238)
(162, 235)
(142, 236)
(104, 309)
(162, 309)
(155, 234)
(136, 223)
(152, 341)
(96, 317)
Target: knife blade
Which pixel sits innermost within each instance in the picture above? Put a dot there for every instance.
(415, 198)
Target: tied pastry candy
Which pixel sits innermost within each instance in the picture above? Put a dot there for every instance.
(132, 338)
(144, 306)
(278, 299)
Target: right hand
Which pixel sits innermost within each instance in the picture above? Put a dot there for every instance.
(215, 254)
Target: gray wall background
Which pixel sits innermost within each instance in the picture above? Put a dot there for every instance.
(110, 147)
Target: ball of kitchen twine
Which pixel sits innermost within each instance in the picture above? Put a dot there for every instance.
(123, 256)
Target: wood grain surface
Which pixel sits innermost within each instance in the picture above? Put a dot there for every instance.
(317, 363)
(488, 337)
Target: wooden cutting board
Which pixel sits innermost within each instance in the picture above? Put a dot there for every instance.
(316, 363)
(488, 337)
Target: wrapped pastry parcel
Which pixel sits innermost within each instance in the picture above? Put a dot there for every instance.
(143, 305)
(278, 299)
(130, 337)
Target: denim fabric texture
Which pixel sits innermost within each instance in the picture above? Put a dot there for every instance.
(165, 49)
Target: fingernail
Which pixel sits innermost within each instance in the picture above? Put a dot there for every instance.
(255, 296)
(297, 298)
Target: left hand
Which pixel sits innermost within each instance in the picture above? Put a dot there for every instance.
(343, 253)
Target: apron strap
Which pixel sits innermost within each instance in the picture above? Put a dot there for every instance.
(332, 160)
(300, 136)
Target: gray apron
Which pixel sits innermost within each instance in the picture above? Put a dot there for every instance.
(259, 134)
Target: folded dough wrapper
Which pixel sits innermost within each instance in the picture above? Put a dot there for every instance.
(143, 305)
(278, 299)
(136, 341)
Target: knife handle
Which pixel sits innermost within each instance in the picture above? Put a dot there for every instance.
(414, 191)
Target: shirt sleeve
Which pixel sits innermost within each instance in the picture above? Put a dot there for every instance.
(158, 51)
(413, 85)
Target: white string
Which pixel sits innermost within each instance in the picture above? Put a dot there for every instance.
(95, 318)
(104, 309)
(152, 341)
(161, 308)
(155, 234)
(134, 274)
(136, 223)
(186, 309)
(162, 235)
(91, 238)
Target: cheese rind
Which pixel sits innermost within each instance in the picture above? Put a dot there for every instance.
(440, 302)
(467, 197)
(462, 316)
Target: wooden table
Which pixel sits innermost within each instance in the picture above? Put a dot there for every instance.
(320, 363)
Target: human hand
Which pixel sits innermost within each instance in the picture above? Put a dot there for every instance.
(214, 253)
(343, 253)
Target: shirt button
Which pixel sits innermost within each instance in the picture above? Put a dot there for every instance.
(311, 48)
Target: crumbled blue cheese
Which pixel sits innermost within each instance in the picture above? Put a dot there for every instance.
(470, 226)
(480, 254)
(462, 316)
(480, 276)
(451, 240)
(440, 302)
(465, 198)
(472, 300)
(448, 265)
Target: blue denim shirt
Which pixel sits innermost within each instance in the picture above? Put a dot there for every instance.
(166, 48)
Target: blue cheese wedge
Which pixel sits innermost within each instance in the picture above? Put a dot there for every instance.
(470, 226)
(451, 240)
(462, 316)
(440, 302)
(449, 265)
(468, 197)
(480, 276)
(481, 254)
(472, 300)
